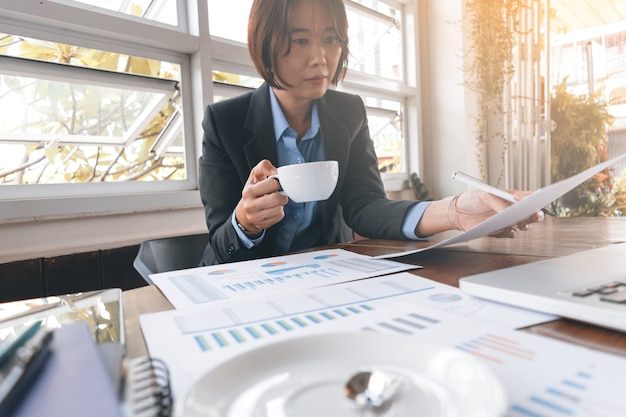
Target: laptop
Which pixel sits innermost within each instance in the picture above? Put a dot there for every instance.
(589, 286)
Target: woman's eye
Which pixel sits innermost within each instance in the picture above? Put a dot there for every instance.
(300, 41)
(331, 39)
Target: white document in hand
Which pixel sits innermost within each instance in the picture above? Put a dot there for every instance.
(518, 211)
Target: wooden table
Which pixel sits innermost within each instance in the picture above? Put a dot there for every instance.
(555, 237)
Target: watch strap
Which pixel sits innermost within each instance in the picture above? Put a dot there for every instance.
(248, 234)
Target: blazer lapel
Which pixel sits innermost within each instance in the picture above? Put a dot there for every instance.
(262, 143)
(336, 147)
(335, 133)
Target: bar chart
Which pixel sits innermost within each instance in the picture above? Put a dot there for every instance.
(220, 339)
(544, 378)
(203, 285)
(326, 303)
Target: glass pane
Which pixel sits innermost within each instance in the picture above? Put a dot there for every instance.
(69, 124)
(39, 110)
(376, 39)
(229, 19)
(386, 129)
(236, 79)
(163, 11)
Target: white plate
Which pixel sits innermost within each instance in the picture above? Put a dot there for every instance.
(305, 376)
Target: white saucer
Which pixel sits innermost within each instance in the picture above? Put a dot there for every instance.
(305, 376)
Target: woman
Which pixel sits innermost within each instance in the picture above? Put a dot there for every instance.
(300, 48)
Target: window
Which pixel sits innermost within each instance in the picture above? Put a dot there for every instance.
(66, 124)
(376, 47)
(92, 108)
(376, 70)
(102, 101)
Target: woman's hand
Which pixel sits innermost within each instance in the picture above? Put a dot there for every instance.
(261, 206)
(468, 209)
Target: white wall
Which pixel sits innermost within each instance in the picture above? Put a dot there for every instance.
(47, 238)
(447, 130)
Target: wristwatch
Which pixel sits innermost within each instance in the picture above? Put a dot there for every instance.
(249, 235)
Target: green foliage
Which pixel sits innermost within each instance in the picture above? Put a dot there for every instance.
(579, 141)
(421, 193)
(580, 137)
(595, 205)
(592, 203)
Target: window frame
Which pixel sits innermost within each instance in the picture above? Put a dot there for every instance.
(110, 32)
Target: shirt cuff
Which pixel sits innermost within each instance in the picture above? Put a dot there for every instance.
(247, 242)
(411, 220)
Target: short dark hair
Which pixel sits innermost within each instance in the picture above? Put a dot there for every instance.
(268, 36)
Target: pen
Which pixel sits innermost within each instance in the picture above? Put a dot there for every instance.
(8, 348)
(476, 183)
(20, 371)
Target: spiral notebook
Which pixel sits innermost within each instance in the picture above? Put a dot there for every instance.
(74, 382)
(147, 391)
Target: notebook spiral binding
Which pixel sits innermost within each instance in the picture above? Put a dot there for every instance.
(147, 391)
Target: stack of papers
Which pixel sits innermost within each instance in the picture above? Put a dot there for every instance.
(225, 310)
(543, 377)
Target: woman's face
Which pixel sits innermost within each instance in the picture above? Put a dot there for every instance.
(314, 52)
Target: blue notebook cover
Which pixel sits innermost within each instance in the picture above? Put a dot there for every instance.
(74, 381)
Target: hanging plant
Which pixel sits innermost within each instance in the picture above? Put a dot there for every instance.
(489, 65)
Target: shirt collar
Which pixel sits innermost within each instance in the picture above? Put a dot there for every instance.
(280, 121)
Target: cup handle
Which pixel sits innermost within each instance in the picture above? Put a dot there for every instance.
(280, 190)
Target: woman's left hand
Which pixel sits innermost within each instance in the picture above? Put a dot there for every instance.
(468, 209)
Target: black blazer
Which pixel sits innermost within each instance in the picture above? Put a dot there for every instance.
(239, 132)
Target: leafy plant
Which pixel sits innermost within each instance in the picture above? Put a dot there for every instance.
(579, 141)
(421, 192)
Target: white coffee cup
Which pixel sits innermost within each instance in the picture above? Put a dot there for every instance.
(310, 181)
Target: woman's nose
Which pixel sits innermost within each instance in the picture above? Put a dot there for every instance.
(318, 53)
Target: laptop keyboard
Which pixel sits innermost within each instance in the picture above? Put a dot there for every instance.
(613, 291)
